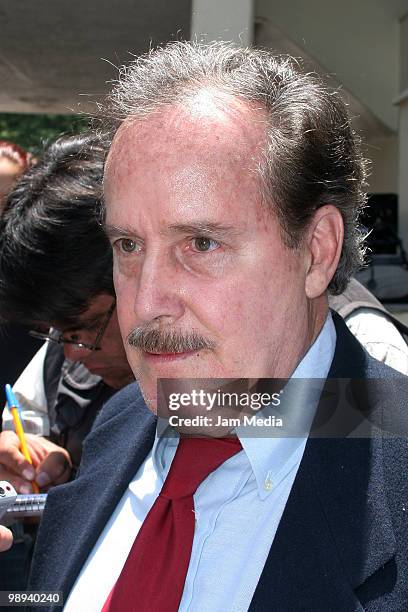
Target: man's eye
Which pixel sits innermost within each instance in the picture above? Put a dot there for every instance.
(74, 336)
(127, 245)
(70, 336)
(203, 244)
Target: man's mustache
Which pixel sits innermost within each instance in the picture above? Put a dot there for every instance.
(153, 340)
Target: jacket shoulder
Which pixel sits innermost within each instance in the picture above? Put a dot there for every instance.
(124, 417)
(128, 398)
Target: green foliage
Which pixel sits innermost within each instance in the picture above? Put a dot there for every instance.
(32, 132)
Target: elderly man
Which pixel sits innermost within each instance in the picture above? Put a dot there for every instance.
(232, 187)
(16, 347)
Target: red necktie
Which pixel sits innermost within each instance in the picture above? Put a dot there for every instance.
(152, 579)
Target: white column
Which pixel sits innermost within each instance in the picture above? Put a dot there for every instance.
(223, 20)
(403, 133)
(403, 170)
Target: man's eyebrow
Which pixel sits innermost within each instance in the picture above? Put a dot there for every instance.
(194, 228)
(115, 231)
(85, 324)
(203, 227)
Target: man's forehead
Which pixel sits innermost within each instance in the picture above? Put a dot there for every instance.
(207, 123)
(95, 310)
(185, 163)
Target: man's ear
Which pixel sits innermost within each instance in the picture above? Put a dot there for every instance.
(324, 243)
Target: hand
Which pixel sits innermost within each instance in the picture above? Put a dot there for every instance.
(6, 538)
(51, 463)
(56, 466)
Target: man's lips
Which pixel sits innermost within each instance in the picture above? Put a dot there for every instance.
(163, 357)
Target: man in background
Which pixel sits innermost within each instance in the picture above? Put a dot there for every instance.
(16, 347)
(13, 162)
(383, 335)
(56, 272)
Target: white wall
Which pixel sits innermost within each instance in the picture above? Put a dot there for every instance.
(223, 20)
(404, 53)
(355, 39)
(383, 154)
(403, 132)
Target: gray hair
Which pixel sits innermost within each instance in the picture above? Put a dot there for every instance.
(312, 156)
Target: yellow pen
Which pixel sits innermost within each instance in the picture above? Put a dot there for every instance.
(13, 405)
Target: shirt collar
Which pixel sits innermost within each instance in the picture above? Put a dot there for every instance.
(272, 458)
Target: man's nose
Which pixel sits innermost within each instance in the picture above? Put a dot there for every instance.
(159, 291)
(74, 352)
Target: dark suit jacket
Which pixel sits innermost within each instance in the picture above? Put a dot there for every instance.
(342, 543)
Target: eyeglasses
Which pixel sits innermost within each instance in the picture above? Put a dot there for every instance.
(58, 337)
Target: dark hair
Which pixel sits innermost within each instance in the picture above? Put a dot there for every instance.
(16, 154)
(312, 156)
(54, 255)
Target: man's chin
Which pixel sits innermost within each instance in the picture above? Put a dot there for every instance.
(149, 396)
(117, 381)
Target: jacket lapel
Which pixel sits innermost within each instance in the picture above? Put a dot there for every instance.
(115, 450)
(336, 529)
